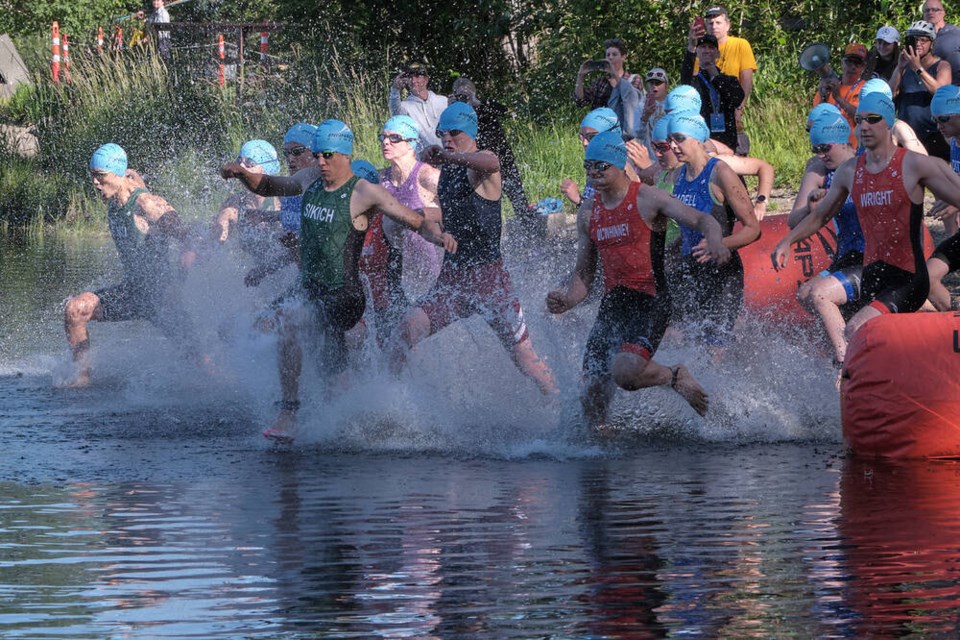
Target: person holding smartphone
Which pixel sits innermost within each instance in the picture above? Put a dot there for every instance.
(614, 89)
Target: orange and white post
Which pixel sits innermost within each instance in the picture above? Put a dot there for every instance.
(66, 58)
(55, 64)
(118, 39)
(264, 43)
(221, 54)
(100, 40)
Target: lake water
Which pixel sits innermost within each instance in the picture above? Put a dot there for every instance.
(452, 502)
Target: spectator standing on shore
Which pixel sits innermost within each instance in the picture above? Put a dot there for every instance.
(159, 15)
(947, 44)
(614, 90)
(653, 107)
(882, 59)
(421, 104)
(490, 135)
(720, 94)
(919, 74)
(844, 93)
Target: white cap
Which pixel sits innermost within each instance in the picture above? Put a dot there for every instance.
(888, 34)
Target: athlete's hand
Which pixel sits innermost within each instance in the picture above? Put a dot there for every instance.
(942, 210)
(449, 243)
(815, 196)
(704, 253)
(231, 170)
(638, 154)
(571, 190)
(557, 302)
(760, 209)
(434, 155)
(780, 255)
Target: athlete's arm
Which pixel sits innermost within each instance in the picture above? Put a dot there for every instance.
(229, 214)
(821, 214)
(748, 166)
(936, 175)
(367, 196)
(559, 300)
(904, 136)
(735, 195)
(263, 184)
(482, 161)
(811, 182)
(660, 202)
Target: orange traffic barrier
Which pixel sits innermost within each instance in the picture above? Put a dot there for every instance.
(221, 54)
(66, 58)
(100, 40)
(55, 64)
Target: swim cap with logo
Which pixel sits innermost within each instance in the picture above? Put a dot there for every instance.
(365, 170)
(689, 124)
(876, 84)
(830, 128)
(262, 153)
(459, 116)
(820, 109)
(661, 128)
(877, 103)
(406, 127)
(683, 98)
(946, 101)
(300, 133)
(608, 147)
(333, 135)
(600, 120)
(109, 157)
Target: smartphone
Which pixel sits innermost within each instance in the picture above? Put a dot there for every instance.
(699, 26)
(598, 65)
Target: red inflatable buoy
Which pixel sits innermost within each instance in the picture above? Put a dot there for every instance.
(771, 294)
(900, 391)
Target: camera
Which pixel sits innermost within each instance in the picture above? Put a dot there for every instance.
(597, 65)
(910, 41)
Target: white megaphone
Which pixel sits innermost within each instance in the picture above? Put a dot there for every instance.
(816, 58)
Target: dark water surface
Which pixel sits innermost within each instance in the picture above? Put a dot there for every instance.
(455, 504)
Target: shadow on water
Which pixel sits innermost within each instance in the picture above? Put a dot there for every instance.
(452, 502)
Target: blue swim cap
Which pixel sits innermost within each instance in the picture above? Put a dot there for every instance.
(459, 116)
(878, 103)
(946, 101)
(365, 170)
(109, 157)
(820, 109)
(689, 124)
(683, 98)
(876, 84)
(263, 153)
(405, 126)
(301, 133)
(608, 147)
(830, 128)
(333, 135)
(600, 120)
(661, 128)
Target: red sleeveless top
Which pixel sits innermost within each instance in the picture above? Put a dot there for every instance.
(631, 252)
(884, 208)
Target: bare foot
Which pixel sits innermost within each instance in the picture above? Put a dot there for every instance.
(282, 429)
(79, 381)
(689, 389)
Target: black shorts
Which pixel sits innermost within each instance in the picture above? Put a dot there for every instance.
(949, 252)
(162, 306)
(628, 320)
(710, 296)
(897, 290)
(336, 311)
(849, 259)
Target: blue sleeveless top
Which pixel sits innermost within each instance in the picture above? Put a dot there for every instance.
(696, 194)
(955, 155)
(847, 223)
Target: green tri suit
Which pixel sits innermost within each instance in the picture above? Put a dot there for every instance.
(330, 249)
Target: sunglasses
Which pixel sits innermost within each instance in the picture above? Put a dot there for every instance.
(596, 165)
(247, 162)
(944, 119)
(820, 149)
(394, 138)
(677, 137)
(99, 175)
(871, 119)
(295, 152)
(326, 155)
(661, 147)
(451, 132)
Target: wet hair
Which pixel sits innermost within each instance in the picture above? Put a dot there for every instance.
(615, 42)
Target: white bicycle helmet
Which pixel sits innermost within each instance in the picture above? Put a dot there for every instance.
(922, 28)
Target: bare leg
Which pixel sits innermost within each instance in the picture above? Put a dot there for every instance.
(595, 400)
(858, 320)
(414, 329)
(534, 367)
(938, 296)
(291, 362)
(823, 296)
(78, 312)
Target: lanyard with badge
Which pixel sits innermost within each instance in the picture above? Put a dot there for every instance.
(718, 123)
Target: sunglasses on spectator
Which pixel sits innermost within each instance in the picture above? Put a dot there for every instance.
(944, 119)
(394, 138)
(677, 137)
(819, 149)
(596, 165)
(295, 152)
(451, 132)
(326, 155)
(871, 119)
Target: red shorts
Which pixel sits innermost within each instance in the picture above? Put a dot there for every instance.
(485, 289)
